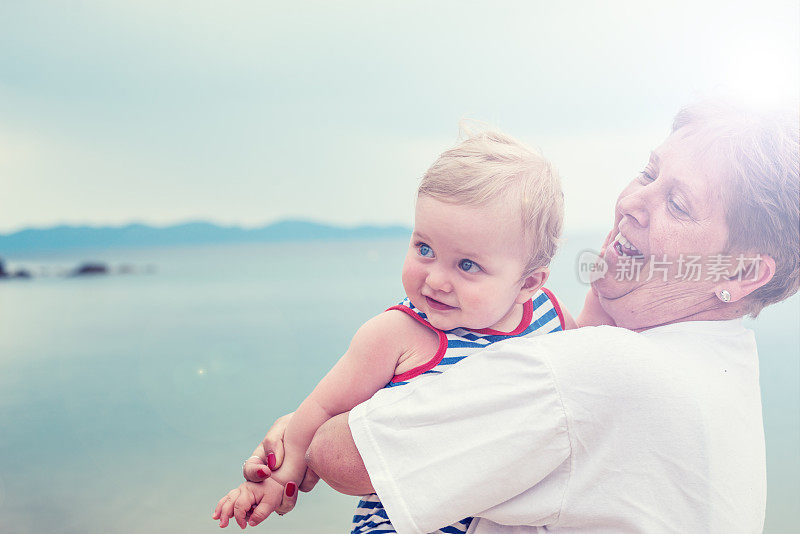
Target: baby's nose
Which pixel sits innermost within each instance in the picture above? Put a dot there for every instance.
(438, 281)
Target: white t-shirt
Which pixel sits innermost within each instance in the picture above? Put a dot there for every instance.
(591, 430)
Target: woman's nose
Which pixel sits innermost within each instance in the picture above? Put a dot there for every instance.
(438, 281)
(636, 206)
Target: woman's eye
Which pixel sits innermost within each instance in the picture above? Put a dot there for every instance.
(469, 266)
(677, 208)
(646, 176)
(424, 250)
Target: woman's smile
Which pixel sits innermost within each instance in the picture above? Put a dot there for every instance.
(624, 247)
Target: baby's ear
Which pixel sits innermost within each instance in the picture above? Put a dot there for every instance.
(532, 283)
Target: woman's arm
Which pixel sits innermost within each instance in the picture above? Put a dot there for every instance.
(334, 457)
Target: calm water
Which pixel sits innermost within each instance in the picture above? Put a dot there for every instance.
(128, 402)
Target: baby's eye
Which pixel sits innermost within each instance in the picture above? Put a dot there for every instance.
(469, 266)
(424, 250)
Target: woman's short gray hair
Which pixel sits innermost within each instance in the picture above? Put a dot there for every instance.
(757, 154)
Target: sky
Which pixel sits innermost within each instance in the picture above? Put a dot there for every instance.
(250, 112)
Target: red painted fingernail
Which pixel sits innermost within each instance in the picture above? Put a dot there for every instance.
(291, 487)
(271, 461)
(261, 472)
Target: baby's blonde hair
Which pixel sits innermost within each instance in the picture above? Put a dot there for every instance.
(488, 165)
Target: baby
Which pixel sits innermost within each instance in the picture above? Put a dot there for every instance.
(488, 217)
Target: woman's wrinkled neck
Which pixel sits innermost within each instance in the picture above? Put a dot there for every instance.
(663, 310)
(695, 317)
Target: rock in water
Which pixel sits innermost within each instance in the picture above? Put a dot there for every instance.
(90, 269)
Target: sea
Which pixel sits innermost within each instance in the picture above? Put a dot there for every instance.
(128, 401)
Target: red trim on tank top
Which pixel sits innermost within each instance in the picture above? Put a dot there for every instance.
(525, 322)
(556, 306)
(433, 362)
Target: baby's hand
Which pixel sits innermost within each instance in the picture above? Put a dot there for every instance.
(253, 501)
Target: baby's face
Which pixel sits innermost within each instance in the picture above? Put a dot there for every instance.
(464, 264)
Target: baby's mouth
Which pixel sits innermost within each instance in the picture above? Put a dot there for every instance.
(436, 305)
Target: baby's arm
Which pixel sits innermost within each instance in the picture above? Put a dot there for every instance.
(366, 367)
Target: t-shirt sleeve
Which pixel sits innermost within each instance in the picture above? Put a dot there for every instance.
(449, 446)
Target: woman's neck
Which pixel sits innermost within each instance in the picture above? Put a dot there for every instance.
(707, 315)
(654, 313)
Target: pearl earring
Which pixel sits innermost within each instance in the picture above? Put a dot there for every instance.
(724, 296)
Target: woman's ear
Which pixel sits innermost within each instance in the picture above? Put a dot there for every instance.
(753, 273)
(532, 283)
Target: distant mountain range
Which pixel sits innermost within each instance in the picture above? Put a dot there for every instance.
(192, 233)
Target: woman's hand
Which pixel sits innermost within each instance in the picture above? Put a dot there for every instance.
(593, 313)
(268, 457)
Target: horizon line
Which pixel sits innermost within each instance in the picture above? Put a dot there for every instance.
(183, 222)
(221, 224)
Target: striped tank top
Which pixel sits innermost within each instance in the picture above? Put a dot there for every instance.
(540, 315)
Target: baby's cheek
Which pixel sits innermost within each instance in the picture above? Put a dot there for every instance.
(407, 285)
(482, 304)
(411, 278)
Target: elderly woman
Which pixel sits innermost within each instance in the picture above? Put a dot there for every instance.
(651, 424)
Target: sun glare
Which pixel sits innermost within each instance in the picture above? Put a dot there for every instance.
(766, 77)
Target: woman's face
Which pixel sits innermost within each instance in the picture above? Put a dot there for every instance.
(670, 214)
